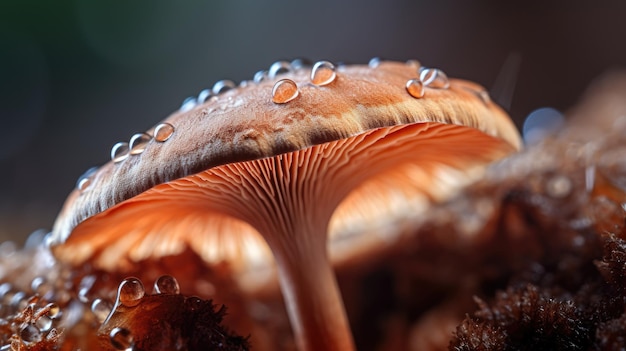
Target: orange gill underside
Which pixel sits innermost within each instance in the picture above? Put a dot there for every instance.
(344, 187)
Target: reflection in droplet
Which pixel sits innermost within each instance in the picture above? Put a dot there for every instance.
(119, 152)
(163, 131)
(284, 91)
(18, 299)
(43, 323)
(101, 309)
(30, 334)
(130, 292)
(323, 73)
(415, 88)
(278, 67)
(223, 86)
(260, 76)
(434, 78)
(374, 62)
(203, 96)
(54, 311)
(121, 339)
(166, 284)
(84, 180)
(188, 104)
(300, 63)
(40, 286)
(138, 143)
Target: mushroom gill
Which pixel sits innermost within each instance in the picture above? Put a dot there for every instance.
(299, 167)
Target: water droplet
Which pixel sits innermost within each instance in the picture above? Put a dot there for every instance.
(284, 91)
(30, 334)
(121, 339)
(434, 78)
(17, 299)
(138, 143)
(558, 186)
(260, 76)
(163, 131)
(278, 67)
(44, 323)
(84, 180)
(119, 152)
(374, 62)
(300, 63)
(188, 104)
(415, 64)
(203, 96)
(166, 284)
(5, 288)
(84, 287)
(130, 292)
(323, 73)
(415, 88)
(54, 311)
(223, 86)
(42, 287)
(36, 283)
(101, 309)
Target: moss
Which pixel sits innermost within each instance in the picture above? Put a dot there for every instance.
(546, 316)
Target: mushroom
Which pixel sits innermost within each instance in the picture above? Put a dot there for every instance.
(292, 156)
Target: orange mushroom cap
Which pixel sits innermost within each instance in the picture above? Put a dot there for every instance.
(295, 158)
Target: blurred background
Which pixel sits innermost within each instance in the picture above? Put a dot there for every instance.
(76, 76)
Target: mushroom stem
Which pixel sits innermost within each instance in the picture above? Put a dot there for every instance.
(313, 300)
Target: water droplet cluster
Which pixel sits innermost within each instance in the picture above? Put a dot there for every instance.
(125, 327)
(322, 73)
(31, 313)
(130, 292)
(432, 78)
(138, 142)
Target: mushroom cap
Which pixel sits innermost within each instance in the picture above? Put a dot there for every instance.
(244, 124)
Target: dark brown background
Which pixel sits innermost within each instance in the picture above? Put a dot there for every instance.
(78, 76)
